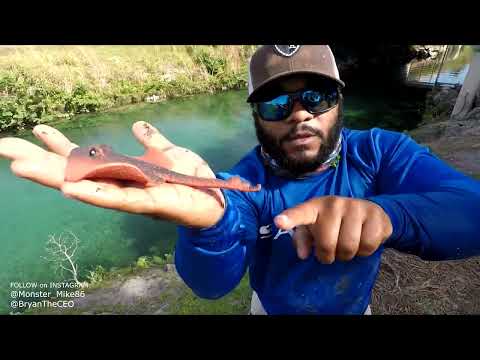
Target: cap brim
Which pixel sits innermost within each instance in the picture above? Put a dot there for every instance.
(258, 91)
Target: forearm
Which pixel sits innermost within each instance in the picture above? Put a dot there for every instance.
(212, 261)
(439, 225)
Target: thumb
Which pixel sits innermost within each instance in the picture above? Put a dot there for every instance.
(303, 214)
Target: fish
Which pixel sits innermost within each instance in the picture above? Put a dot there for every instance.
(100, 161)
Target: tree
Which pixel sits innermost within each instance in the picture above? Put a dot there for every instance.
(61, 253)
(470, 89)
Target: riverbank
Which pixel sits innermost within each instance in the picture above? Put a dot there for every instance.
(43, 84)
(48, 84)
(149, 287)
(407, 284)
(456, 141)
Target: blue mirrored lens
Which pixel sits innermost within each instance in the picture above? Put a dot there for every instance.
(276, 109)
(314, 101)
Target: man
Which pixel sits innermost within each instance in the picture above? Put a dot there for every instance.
(331, 200)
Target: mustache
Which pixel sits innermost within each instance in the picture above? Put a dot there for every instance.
(302, 129)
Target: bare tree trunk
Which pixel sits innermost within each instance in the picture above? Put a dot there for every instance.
(471, 86)
(61, 250)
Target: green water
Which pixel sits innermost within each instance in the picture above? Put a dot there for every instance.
(218, 127)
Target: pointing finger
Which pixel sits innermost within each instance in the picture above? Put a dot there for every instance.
(303, 214)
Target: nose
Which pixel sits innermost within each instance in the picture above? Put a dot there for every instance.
(299, 114)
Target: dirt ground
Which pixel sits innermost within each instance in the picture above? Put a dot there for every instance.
(409, 285)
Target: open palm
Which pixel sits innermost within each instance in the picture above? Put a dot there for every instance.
(173, 202)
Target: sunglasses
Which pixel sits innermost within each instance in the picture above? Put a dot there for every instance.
(314, 101)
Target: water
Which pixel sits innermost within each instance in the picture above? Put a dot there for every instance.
(449, 67)
(218, 127)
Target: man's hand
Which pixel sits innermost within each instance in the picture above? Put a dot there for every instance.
(336, 227)
(178, 203)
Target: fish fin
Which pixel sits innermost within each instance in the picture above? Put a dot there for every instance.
(118, 171)
(156, 157)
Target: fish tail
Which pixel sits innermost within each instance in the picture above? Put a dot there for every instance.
(237, 183)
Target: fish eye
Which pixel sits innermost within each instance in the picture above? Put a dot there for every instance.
(92, 152)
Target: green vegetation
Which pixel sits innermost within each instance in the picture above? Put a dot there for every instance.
(42, 84)
(237, 302)
(99, 276)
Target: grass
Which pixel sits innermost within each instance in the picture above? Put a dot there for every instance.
(237, 302)
(41, 84)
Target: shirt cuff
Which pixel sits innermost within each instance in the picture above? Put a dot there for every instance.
(395, 212)
(219, 237)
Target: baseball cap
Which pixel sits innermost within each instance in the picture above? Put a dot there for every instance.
(271, 62)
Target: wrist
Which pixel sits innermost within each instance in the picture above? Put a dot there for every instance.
(219, 236)
(393, 213)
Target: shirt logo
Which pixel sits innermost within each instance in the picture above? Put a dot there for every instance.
(287, 50)
(266, 232)
(281, 232)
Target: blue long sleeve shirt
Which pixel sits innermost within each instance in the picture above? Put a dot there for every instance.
(434, 210)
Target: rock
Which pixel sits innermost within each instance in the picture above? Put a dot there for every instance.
(430, 132)
(473, 114)
(152, 99)
(169, 267)
(445, 96)
(439, 104)
(476, 101)
(133, 288)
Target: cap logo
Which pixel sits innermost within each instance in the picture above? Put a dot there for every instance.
(287, 50)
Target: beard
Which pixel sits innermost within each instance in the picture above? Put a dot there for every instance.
(302, 164)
